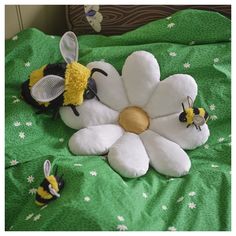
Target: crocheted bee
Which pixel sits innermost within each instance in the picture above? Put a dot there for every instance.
(61, 84)
(193, 116)
(50, 187)
(93, 16)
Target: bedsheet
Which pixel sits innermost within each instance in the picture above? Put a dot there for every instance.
(95, 197)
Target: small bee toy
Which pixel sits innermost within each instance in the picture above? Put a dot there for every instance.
(193, 116)
(61, 84)
(50, 187)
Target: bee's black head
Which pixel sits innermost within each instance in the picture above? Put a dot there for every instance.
(60, 182)
(91, 91)
(182, 117)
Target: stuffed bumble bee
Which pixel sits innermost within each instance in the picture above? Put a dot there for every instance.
(61, 84)
(193, 116)
(50, 187)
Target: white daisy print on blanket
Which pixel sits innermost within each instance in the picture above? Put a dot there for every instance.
(136, 119)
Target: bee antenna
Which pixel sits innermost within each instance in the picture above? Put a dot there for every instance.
(55, 174)
(98, 70)
(74, 110)
(94, 93)
(61, 177)
(183, 107)
(55, 113)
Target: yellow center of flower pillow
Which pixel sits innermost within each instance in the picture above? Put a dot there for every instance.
(134, 120)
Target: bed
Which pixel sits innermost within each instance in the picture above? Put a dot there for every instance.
(95, 197)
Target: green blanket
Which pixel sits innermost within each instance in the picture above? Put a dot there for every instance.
(95, 197)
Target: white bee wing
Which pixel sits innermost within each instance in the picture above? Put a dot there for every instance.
(98, 17)
(198, 120)
(190, 101)
(88, 8)
(47, 168)
(48, 88)
(53, 191)
(95, 21)
(95, 25)
(69, 47)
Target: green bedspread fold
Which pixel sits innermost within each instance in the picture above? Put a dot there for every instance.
(95, 197)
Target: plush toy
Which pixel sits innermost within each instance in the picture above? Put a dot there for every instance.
(50, 187)
(61, 84)
(193, 115)
(139, 119)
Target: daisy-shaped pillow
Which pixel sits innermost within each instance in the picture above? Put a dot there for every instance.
(136, 120)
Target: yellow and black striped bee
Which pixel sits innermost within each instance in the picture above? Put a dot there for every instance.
(50, 187)
(193, 115)
(61, 84)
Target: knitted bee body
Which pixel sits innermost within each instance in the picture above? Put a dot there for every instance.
(61, 84)
(193, 115)
(56, 69)
(50, 187)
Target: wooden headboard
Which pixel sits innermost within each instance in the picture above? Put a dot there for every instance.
(119, 19)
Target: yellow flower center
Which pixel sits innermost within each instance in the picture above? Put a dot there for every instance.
(134, 120)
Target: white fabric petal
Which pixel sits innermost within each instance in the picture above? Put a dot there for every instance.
(94, 140)
(166, 157)
(169, 95)
(140, 74)
(110, 89)
(128, 156)
(171, 128)
(92, 112)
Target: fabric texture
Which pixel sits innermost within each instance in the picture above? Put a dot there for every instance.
(136, 120)
(91, 112)
(140, 76)
(69, 47)
(95, 140)
(113, 98)
(95, 197)
(135, 161)
(76, 80)
(169, 94)
(170, 128)
(166, 157)
(118, 19)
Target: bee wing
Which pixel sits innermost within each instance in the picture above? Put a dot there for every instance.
(69, 47)
(190, 101)
(47, 168)
(98, 17)
(95, 25)
(48, 88)
(53, 191)
(199, 120)
(88, 8)
(95, 21)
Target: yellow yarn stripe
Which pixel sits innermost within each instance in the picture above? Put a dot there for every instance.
(39, 203)
(76, 79)
(36, 75)
(201, 112)
(52, 180)
(189, 115)
(44, 194)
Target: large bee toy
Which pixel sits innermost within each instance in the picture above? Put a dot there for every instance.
(61, 84)
(193, 116)
(50, 187)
